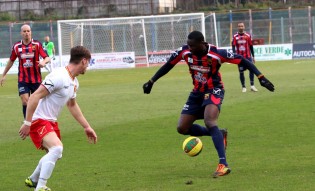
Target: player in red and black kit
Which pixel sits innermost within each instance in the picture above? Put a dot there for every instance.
(204, 102)
(29, 74)
(242, 44)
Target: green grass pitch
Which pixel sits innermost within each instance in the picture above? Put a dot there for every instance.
(271, 144)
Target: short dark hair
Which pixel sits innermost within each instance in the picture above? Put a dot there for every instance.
(197, 36)
(77, 53)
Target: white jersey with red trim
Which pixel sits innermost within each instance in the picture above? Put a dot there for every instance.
(62, 87)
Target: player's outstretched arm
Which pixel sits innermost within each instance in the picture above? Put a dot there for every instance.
(147, 87)
(78, 115)
(262, 79)
(266, 83)
(239, 59)
(161, 72)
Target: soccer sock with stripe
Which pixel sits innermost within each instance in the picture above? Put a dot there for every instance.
(218, 142)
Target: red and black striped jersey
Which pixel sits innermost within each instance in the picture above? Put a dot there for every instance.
(28, 56)
(242, 43)
(204, 69)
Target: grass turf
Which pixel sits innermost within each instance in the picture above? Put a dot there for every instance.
(271, 135)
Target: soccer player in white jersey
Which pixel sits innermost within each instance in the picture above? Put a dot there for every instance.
(57, 90)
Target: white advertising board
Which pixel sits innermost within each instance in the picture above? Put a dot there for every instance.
(271, 52)
(98, 61)
(14, 68)
(112, 60)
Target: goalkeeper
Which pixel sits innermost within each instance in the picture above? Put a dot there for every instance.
(49, 47)
(204, 102)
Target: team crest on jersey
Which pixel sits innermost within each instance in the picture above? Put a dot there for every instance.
(209, 59)
(34, 47)
(190, 60)
(206, 96)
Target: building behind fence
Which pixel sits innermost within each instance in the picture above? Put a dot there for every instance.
(269, 26)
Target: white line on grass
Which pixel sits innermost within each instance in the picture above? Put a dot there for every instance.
(304, 61)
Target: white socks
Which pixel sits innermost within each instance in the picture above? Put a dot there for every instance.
(46, 166)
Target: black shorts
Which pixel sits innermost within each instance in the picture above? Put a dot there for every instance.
(197, 102)
(241, 68)
(27, 88)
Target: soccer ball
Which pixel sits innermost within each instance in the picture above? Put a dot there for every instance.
(192, 146)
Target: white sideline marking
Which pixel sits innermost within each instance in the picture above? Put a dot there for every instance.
(304, 61)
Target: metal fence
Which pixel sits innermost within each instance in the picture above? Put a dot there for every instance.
(11, 33)
(272, 26)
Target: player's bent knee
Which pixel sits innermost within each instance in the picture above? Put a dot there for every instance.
(182, 130)
(56, 151)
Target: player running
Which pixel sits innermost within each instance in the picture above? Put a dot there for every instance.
(204, 102)
(58, 89)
